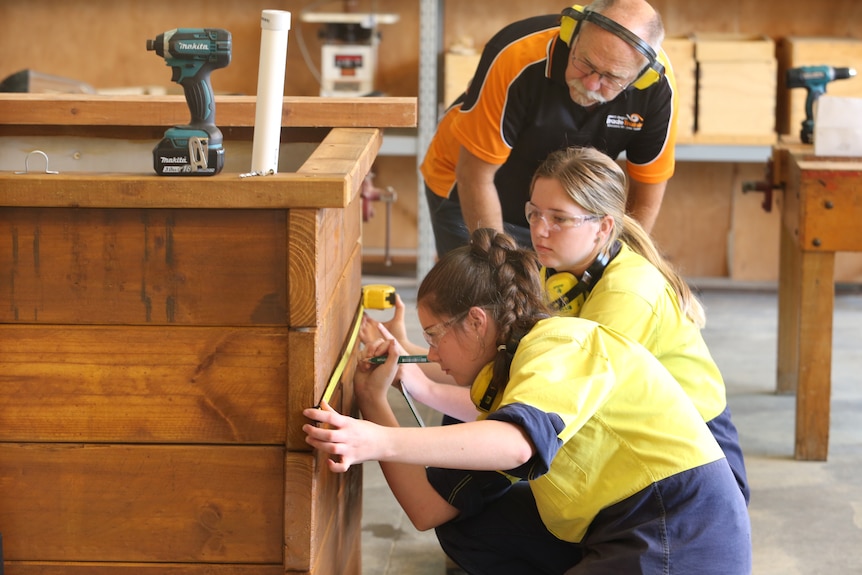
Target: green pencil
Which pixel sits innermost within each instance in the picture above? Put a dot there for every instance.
(401, 359)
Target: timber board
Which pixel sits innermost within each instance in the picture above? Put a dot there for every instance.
(142, 503)
(143, 267)
(127, 384)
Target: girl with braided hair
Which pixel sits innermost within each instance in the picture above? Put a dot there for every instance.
(572, 415)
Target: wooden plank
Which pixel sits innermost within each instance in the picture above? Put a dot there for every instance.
(745, 106)
(336, 498)
(339, 319)
(831, 209)
(724, 47)
(145, 267)
(320, 244)
(340, 248)
(813, 394)
(300, 479)
(229, 191)
(139, 384)
(305, 384)
(311, 187)
(126, 503)
(345, 151)
(106, 568)
(315, 353)
(336, 519)
(789, 274)
(694, 222)
(322, 524)
(754, 234)
(232, 111)
(303, 265)
(788, 337)
(323, 516)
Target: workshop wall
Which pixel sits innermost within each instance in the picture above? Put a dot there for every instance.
(103, 42)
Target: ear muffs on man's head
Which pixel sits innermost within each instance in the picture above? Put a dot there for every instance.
(570, 23)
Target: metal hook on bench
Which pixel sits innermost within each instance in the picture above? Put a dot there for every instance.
(27, 163)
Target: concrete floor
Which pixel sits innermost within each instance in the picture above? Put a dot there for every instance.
(806, 516)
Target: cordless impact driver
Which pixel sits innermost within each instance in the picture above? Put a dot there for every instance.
(814, 79)
(192, 53)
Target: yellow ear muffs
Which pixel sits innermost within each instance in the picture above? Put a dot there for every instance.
(647, 77)
(558, 290)
(571, 20)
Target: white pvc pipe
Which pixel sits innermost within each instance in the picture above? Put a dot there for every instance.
(274, 25)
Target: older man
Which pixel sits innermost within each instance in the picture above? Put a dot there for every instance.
(591, 76)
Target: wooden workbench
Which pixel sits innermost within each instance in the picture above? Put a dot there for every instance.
(821, 215)
(159, 338)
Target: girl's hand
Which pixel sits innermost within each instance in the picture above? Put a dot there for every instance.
(372, 381)
(369, 330)
(348, 440)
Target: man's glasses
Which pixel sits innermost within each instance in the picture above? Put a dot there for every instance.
(556, 221)
(607, 81)
(435, 333)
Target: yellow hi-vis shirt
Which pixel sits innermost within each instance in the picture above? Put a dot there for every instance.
(635, 299)
(626, 422)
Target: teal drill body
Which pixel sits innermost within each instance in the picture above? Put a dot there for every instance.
(814, 80)
(192, 53)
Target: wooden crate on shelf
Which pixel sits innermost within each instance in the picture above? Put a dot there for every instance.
(736, 85)
(795, 51)
(160, 339)
(680, 52)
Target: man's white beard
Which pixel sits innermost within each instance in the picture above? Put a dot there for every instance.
(582, 96)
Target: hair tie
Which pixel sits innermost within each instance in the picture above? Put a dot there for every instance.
(501, 347)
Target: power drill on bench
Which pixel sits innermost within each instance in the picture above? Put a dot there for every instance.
(814, 79)
(192, 53)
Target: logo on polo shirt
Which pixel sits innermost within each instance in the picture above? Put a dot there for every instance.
(633, 122)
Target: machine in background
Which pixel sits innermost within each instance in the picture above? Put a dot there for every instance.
(348, 58)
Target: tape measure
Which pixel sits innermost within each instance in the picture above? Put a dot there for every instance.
(374, 296)
(378, 296)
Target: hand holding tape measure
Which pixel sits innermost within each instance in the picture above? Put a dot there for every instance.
(374, 296)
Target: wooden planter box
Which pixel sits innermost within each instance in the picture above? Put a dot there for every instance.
(159, 338)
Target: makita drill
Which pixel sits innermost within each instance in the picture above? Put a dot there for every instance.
(192, 54)
(814, 79)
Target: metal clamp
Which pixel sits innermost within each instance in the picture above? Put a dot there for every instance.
(27, 163)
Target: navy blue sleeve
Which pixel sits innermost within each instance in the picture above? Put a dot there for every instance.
(542, 428)
(471, 491)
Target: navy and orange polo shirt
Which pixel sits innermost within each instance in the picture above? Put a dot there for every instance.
(517, 110)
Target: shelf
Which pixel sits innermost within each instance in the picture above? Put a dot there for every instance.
(404, 142)
(723, 153)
